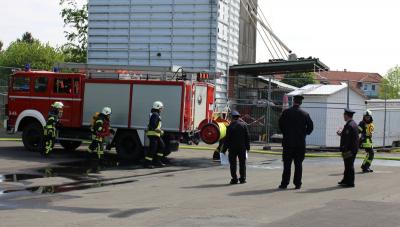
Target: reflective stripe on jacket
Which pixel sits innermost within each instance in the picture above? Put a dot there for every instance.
(154, 126)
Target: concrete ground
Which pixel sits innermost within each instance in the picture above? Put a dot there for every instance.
(65, 190)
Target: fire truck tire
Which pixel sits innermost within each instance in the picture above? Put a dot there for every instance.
(70, 145)
(128, 146)
(32, 137)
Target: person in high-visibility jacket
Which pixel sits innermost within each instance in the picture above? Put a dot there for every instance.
(100, 130)
(155, 153)
(52, 123)
(366, 129)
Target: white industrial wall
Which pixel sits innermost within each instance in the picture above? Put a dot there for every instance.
(195, 34)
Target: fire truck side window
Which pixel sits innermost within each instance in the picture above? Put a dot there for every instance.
(41, 84)
(76, 86)
(21, 83)
(63, 86)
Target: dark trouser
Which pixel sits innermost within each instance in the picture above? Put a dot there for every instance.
(368, 158)
(48, 140)
(241, 155)
(156, 149)
(218, 149)
(348, 175)
(296, 155)
(97, 146)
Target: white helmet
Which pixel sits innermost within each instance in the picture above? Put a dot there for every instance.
(158, 105)
(57, 105)
(106, 111)
(368, 113)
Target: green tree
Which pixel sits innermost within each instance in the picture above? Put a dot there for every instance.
(27, 37)
(75, 19)
(298, 79)
(390, 85)
(1, 46)
(38, 55)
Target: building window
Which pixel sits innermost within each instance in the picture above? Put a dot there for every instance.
(365, 87)
(373, 87)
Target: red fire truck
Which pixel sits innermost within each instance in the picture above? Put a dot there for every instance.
(188, 98)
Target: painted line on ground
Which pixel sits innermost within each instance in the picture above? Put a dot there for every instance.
(335, 155)
(10, 139)
(331, 155)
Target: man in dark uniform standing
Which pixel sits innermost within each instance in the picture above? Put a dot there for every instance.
(295, 124)
(237, 140)
(349, 142)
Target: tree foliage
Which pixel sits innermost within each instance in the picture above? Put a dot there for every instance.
(298, 79)
(1, 45)
(75, 19)
(27, 37)
(32, 51)
(390, 86)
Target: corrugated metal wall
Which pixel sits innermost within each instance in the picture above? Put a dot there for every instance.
(195, 34)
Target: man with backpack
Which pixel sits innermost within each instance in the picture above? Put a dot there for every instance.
(100, 129)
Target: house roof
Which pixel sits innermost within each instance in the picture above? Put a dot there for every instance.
(318, 90)
(335, 77)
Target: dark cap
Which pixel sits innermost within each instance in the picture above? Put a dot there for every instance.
(298, 97)
(349, 111)
(235, 113)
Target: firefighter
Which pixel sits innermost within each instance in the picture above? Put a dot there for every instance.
(52, 123)
(366, 129)
(155, 153)
(349, 142)
(100, 129)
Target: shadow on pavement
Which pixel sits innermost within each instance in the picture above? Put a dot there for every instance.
(256, 192)
(208, 186)
(317, 190)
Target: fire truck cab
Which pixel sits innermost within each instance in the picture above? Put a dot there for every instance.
(187, 103)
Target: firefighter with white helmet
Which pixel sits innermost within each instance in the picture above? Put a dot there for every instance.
(366, 129)
(100, 129)
(52, 123)
(155, 153)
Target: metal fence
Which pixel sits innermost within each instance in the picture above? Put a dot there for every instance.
(261, 101)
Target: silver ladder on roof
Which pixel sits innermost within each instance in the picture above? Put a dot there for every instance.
(133, 72)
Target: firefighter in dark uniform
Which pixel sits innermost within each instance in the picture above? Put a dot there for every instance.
(366, 129)
(100, 130)
(237, 141)
(49, 130)
(155, 153)
(295, 124)
(349, 142)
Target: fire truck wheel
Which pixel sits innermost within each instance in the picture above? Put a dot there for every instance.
(128, 146)
(32, 137)
(70, 145)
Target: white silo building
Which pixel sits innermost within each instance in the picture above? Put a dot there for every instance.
(196, 34)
